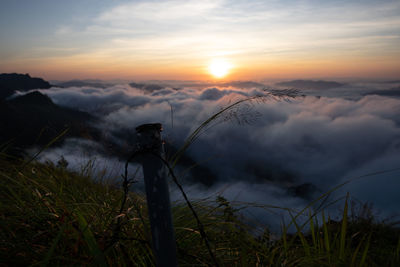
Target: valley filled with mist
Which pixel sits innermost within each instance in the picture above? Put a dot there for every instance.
(284, 151)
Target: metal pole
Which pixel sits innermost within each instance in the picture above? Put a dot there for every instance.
(164, 247)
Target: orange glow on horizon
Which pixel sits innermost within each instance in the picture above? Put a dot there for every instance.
(181, 39)
(96, 67)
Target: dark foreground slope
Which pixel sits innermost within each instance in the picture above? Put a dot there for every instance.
(52, 217)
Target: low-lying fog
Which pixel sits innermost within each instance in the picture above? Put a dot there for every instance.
(279, 152)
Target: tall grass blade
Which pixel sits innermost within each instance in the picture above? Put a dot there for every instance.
(355, 253)
(90, 240)
(326, 236)
(343, 230)
(364, 255)
(312, 229)
(284, 238)
(50, 253)
(45, 147)
(277, 94)
(301, 236)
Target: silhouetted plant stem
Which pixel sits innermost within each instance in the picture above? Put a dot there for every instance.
(189, 204)
(175, 180)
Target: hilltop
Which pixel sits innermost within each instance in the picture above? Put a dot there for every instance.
(33, 119)
(12, 82)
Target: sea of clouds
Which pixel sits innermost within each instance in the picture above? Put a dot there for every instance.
(278, 151)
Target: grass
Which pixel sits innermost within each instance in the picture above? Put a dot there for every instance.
(51, 216)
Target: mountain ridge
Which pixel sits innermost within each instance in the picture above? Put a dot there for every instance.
(311, 84)
(12, 82)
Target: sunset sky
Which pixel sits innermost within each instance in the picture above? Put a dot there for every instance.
(122, 39)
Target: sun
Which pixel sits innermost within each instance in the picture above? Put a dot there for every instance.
(219, 68)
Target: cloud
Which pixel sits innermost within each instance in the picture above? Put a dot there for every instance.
(160, 11)
(130, 36)
(261, 203)
(216, 94)
(90, 158)
(286, 145)
(93, 99)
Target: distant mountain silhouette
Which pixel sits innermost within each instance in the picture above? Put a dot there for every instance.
(386, 92)
(393, 81)
(79, 83)
(11, 82)
(146, 87)
(33, 119)
(310, 84)
(243, 84)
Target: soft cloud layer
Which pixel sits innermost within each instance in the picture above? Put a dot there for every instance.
(97, 99)
(299, 148)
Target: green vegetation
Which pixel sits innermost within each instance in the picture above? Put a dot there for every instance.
(52, 216)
